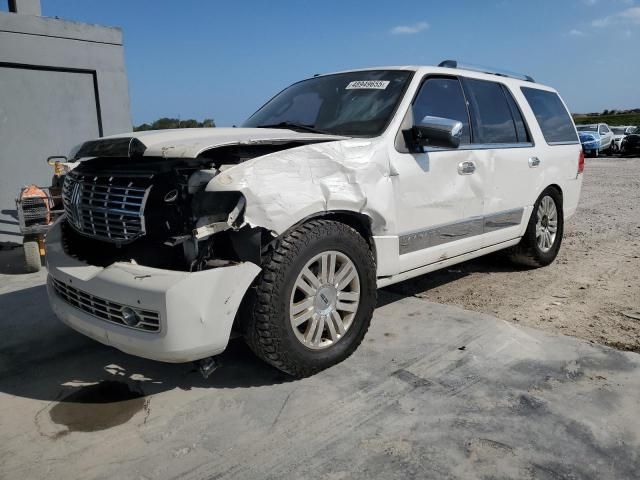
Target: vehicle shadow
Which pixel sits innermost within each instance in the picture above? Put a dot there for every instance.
(40, 358)
(496, 262)
(12, 260)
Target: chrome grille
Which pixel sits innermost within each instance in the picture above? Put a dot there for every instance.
(105, 309)
(107, 207)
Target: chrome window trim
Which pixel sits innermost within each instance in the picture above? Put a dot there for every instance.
(413, 241)
(553, 144)
(482, 146)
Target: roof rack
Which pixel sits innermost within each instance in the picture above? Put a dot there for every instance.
(492, 71)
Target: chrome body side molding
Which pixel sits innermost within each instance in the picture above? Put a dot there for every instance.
(431, 237)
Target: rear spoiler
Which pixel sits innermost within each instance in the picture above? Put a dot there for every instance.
(111, 147)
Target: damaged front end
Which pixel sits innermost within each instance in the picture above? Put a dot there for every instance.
(156, 212)
(150, 262)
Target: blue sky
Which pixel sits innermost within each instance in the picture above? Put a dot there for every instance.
(198, 59)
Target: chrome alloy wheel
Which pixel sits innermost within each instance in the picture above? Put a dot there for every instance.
(547, 224)
(324, 300)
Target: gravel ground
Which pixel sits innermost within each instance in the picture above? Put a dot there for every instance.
(591, 291)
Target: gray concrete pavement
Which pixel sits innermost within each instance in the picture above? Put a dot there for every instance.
(433, 392)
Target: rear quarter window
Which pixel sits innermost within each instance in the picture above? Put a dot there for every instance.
(552, 116)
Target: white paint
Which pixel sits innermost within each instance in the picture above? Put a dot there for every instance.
(399, 192)
(196, 309)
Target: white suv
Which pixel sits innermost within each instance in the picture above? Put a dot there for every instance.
(283, 230)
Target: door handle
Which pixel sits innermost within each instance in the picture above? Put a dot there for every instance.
(534, 162)
(466, 168)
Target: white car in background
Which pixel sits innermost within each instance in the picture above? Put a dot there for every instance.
(603, 132)
(618, 135)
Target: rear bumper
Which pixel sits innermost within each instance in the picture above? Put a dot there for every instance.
(196, 310)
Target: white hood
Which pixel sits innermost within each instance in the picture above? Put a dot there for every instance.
(189, 142)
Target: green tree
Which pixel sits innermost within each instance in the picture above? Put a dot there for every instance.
(166, 123)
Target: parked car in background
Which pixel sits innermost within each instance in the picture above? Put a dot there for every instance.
(590, 142)
(631, 142)
(618, 134)
(595, 138)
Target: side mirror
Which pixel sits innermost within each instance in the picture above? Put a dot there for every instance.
(433, 132)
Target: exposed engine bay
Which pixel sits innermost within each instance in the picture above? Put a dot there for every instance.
(155, 211)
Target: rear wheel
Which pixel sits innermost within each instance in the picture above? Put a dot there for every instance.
(32, 260)
(314, 299)
(541, 242)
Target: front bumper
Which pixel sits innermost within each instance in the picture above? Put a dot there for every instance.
(196, 310)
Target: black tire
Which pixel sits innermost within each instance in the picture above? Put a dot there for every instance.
(32, 260)
(527, 252)
(267, 328)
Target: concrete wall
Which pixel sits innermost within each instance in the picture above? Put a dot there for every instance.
(61, 83)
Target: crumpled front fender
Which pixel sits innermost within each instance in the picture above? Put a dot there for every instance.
(285, 187)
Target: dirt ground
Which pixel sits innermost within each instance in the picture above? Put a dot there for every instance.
(591, 291)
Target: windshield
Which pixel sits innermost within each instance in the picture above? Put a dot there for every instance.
(618, 130)
(587, 128)
(358, 104)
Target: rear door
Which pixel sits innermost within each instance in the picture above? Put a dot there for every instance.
(504, 147)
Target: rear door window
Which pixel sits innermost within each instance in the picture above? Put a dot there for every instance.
(552, 116)
(493, 119)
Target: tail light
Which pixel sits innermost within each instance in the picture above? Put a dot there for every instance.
(581, 161)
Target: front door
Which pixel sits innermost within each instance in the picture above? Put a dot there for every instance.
(438, 193)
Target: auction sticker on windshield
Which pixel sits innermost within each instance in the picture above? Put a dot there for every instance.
(368, 84)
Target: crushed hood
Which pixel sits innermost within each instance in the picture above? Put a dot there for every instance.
(189, 142)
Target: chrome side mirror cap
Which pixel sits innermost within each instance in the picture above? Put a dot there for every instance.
(434, 132)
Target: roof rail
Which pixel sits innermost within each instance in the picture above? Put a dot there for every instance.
(478, 68)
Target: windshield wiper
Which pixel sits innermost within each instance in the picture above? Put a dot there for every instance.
(295, 126)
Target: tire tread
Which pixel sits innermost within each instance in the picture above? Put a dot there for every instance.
(263, 331)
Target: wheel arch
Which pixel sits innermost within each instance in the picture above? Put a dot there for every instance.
(556, 187)
(553, 186)
(360, 222)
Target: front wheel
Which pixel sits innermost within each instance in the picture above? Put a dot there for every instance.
(541, 241)
(314, 299)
